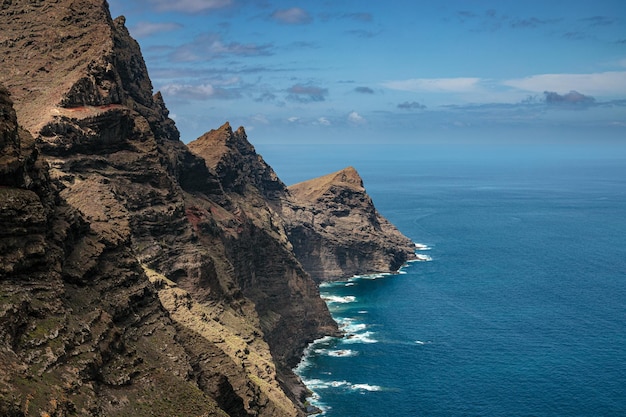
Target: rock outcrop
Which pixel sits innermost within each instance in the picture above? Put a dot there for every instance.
(336, 231)
(139, 276)
(83, 331)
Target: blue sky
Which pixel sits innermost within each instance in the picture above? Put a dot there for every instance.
(388, 72)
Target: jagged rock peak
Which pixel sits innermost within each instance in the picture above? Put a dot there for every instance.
(236, 162)
(71, 59)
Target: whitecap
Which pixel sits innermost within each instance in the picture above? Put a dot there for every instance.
(419, 342)
(371, 276)
(421, 246)
(365, 337)
(342, 353)
(337, 384)
(423, 258)
(366, 387)
(339, 300)
(353, 327)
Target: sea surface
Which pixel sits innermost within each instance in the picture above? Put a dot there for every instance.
(517, 308)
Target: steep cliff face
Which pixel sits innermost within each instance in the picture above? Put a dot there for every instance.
(337, 232)
(82, 329)
(267, 271)
(139, 277)
(144, 246)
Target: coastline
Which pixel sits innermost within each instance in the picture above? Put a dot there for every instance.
(352, 332)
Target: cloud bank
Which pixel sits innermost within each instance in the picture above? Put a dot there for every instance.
(604, 83)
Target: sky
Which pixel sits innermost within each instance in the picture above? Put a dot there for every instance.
(361, 72)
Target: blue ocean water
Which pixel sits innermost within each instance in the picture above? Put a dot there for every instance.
(520, 309)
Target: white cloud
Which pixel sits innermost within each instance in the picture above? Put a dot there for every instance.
(190, 6)
(293, 119)
(323, 121)
(208, 46)
(437, 85)
(144, 29)
(355, 118)
(597, 84)
(199, 92)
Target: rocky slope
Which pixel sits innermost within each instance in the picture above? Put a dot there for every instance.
(337, 232)
(139, 277)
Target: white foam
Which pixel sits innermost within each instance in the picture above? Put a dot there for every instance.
(365, 337)
(371, 276)
(339, 300)
(353, 327)
(366, 387)
(423, 258)
(321, 384)
(421, 246)
(419, 342)
(316, 347)
(342, 353)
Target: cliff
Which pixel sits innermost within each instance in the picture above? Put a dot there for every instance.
(337, 232)
(138, 276)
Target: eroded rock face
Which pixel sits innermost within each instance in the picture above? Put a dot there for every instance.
(139, 277)
(337, 232)
(256, 240)
(141, 280)
(82, 329)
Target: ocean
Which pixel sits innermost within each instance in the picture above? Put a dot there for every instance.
(517, 308)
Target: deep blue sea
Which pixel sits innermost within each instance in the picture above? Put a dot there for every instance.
(519, 308)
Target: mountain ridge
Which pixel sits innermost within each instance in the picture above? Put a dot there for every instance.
(140, 276)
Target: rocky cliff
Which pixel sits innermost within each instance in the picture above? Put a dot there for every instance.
(337, 232)
(139, 276)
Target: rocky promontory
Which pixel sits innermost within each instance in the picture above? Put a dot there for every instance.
(337, 232)
(140, 276)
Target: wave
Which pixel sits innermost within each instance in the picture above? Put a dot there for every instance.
(352, 328)
(365, 337)
(342, 353)
(366, 387)
(370, 276)
(423, 258)
(321, 384)
(316, 347)
(421, 246)
(339, 300)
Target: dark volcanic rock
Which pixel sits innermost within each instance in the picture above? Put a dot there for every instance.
(134, 217)
(65, 349)
(236, 162)
(139, 278)
(337, 232)
(267, 271)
